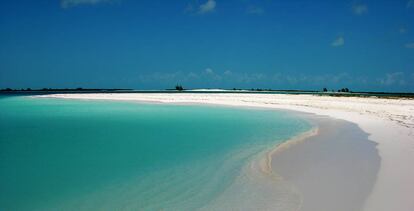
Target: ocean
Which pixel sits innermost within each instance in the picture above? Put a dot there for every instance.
(60, 154)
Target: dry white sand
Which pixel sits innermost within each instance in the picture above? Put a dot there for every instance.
(388, 122)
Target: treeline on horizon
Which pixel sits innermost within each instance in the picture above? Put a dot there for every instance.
(297, 90)
(180, 88)
(324, 91)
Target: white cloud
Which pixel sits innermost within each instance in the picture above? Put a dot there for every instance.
(255, 10)
(209, 71)
(207, 7)
(410, 4)
(340, 41)
(211, 75)
(393, 78)
(73, 3)
(360, 9)
(227, 72)
(409, 45)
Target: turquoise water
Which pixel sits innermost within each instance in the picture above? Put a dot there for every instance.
(60, 154)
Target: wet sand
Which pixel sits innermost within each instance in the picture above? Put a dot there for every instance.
(333, 170)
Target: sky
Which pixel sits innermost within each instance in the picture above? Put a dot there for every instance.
(153, 44)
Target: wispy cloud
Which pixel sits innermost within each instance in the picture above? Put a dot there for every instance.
(74, 3)
(254, 10)
(211, 78)
(338, 42)
(402, 30)
(196, 8)
(392, 79)
(209, 71)
(207, 7)
(359, 9)
(409, 45)
(410, 4)
(211, 75)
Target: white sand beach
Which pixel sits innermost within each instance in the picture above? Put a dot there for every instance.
(387, 122)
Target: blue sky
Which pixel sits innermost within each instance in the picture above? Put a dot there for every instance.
(154, 44)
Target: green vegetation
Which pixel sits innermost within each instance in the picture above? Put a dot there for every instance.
(343, 90)
(179, 87)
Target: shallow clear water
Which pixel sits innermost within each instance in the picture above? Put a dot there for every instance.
(70, 154)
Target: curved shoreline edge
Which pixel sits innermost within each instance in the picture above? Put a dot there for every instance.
(266, 161)
(389, 122)
(335, 169)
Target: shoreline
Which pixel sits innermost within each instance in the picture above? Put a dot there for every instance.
(388, 122)
(280, 182)
(333, 167)
(266, 160)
